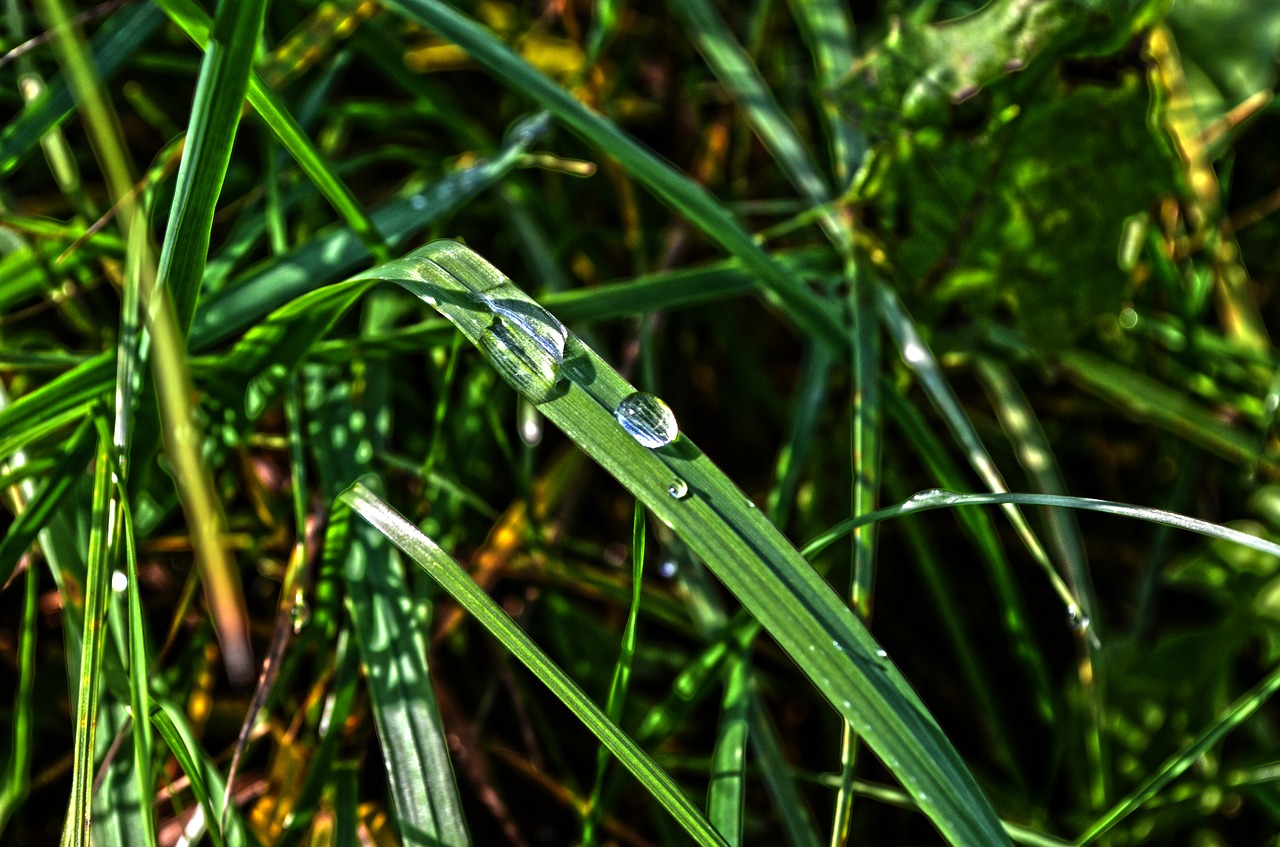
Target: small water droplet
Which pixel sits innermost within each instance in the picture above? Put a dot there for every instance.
(1077, 619)
(678, 488)
(647, 419)
(119, 581)
(837, 645)
(922, 797)
(913, 353)
(530, 422)
(882, 653)
(846, 704)
(300, 613)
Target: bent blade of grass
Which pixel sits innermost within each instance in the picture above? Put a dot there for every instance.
(939, 499)
(745, 551)
(454, 579)
(676, 189)
(172, 726)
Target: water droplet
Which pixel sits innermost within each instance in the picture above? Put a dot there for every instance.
(678, 488)
(1077, 619)
(922, 797)
(529, 421)
(837, 645)
(846, 704)
(913, 353)
(882, 653)
(300, 613)
(1128, 318)
(524, 365)
(929, 497)
(119, 581)
(647, 419)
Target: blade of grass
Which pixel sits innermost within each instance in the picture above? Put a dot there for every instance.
(76, 832)
(454, 579)
(168, 720)
(17, 780)
(827, 27)
(196, 24)
(139, 678)
(621, 673)
(746, 552)
(726, 792)
(1239, 711)
(683, 194)
(113, 45)
(937, 498)
(921, 360)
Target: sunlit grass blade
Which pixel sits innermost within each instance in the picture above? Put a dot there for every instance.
(454, 579)
(76, 833)
(940, 499)
(1177, 764)
(139, 675)
(921, 360)
(678, 190)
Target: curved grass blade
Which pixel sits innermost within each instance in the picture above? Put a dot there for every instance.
(937, 498)
(827, 27)
(746, 552)
(167, 719)
(679, 191)
(727, 791)
(454, 579)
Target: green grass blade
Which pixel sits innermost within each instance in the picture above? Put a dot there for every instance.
(735, 70)
(139, 678)
(71, 464)
(76, 833)
(170, 723)
(621, 673)
(114, 45)
(17, 779)
(1239, 711)
(936, 498)
(268, 105)
(746, 552)
(676, 189)
(827, 27)
(215, 118)
(454, 579)
(727, 790)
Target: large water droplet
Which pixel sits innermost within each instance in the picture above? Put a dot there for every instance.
(929, 497)
(678, 488)
(522, 361)
(647, 419)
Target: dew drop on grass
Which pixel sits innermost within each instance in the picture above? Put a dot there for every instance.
(647, 419)
(882, 653)
(1077, 619)
(929, 497)
(678, 488)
